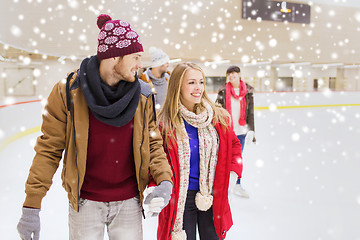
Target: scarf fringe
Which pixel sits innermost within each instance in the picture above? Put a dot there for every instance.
(180, 235)
(203, 202)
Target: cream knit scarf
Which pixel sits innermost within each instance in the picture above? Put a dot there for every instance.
(208, 146)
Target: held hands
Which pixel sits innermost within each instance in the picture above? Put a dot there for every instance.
(158, 198)
(29, 224)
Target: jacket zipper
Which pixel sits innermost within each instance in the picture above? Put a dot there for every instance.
(141, 157)
(174, 187)
(76, 163)
(217, 154)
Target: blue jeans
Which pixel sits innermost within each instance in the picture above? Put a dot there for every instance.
(242, 142)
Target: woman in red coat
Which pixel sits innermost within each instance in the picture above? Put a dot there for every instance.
(202, 149)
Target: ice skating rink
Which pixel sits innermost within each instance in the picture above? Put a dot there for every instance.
(303, 175)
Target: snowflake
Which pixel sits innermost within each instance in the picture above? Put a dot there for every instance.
(16, 31)
(111, 40)
(295, 137)
(124, 24)
(131, 35)
(2, 134)
(272, 107)
(109, 26)
(119, 30)
(259, 163)
(272, 42)
(102, 48)
(36, 72)
(123, 44)
(102, 35)
(153, 134)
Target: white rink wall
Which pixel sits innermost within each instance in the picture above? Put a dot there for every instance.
(302, 175)
(326, 97)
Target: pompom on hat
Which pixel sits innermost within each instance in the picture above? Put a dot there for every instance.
(116, 38)
(158, 57)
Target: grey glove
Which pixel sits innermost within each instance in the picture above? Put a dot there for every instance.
(159, 197)
(29, 224)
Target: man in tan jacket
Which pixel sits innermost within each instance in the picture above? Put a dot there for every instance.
(104, 119)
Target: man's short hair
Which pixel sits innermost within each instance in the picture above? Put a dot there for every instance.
(232, 69)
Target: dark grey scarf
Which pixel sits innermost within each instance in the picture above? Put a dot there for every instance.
(115, 106)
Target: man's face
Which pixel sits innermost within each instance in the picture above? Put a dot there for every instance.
(127, 66)
(233, 77)
(164, 68)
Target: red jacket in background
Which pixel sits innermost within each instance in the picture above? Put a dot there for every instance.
(229, 159)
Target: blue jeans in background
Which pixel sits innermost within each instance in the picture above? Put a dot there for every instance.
(242, 142)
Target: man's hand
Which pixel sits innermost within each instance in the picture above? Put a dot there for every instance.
(159, 198)
(29, 224)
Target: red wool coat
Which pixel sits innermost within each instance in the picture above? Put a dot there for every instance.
(229, 159)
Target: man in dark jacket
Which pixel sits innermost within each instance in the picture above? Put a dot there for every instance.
(104, 119)
(237, 98)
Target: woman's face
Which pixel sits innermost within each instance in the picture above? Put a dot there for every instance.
(192, 88)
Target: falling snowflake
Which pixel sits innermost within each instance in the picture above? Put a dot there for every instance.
(36, 72)
(272, 42)
(259, 163)
(295, 137)
(153, 134)
(272, 107)
(16, 31)
(2, 134)
(32, 142)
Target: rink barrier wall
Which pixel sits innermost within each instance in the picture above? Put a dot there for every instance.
(18, 103)
(5, 143)
(308, 106)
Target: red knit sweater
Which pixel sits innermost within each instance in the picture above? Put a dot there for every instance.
(110, 171)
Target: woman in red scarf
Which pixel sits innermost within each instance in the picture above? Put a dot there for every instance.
(237, 99)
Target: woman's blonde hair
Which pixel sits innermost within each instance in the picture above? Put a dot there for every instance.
(169, 116)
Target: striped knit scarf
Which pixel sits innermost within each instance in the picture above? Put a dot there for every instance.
(208, 146)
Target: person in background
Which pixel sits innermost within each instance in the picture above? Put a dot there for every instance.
(104, 119)
(204, 152)
(157, 75)
(237, 98)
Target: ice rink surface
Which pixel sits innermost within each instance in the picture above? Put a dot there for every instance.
(303, 175)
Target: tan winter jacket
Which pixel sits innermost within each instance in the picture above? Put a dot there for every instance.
(58, 135)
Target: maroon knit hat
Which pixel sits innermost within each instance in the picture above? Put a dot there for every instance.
(116, 38)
